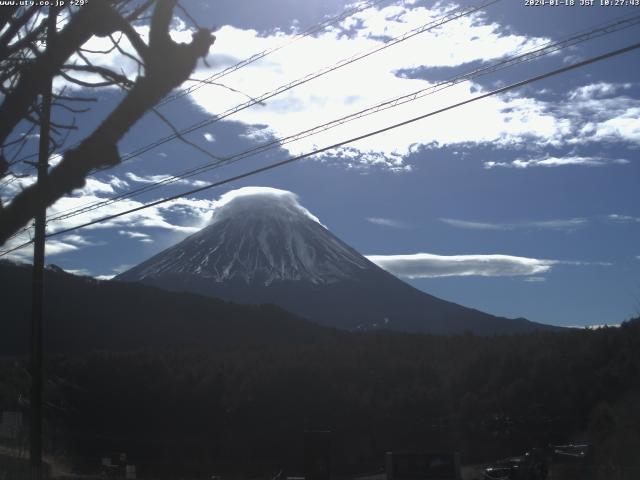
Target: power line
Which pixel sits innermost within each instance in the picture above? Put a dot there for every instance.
(550, 47)
(448, 17)
(257, 56)
(453, 15)
(344, 142)
(37, 286)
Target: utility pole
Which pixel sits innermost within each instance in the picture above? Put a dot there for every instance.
(35, 447)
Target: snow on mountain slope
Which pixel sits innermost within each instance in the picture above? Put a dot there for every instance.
(259, 235)
(262, 246)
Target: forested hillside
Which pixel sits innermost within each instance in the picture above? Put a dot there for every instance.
(204, 409)
(85, 314)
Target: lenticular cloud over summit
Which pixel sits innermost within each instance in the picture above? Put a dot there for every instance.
(257, 236)
(247, 200)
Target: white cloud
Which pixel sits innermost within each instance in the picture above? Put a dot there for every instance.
(78, 271)
(350, 89)
(474, 225)
(427, 265)
(589, 113)
(597, 90)
(104, 277)
(535, 279)
(117, 182)
(121, 268)
(143, 237)
(182, 216)
(558, 162)
(168, 179)
(57, 247)
(618, 218)
(567, 224)
(209, 137)
(234, 202)
(93, 186)
(53, 246)
(599, 119)
(131, 234)
(15, 186)
(581, 263)
(78, 240)
(115, 60)
(622, 127)
(197, 212)
(194, 214)
(386, 222)
(134, 177)
(558, 224)
(596, 327)
(555, 224)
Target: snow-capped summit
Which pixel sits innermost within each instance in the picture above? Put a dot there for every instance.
(258, 235)
(262, 246)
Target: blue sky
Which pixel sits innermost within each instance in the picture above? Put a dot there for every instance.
(524, 204)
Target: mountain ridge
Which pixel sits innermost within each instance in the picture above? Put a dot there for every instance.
(262, 246)
(84, 314)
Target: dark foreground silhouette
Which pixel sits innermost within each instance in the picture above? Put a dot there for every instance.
(237, 396)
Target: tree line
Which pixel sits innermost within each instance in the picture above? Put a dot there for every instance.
(206, 408)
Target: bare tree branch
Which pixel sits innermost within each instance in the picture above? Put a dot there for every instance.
(116, 45)
(6, 51)
(107, 74)
(167, 65)
(189, 16)
(14, 28)
(139, 11)
(181, 137)
(74, 99)
(227, 87)
(82, 83)
(70, 109)
(80, 28)
(6, 13)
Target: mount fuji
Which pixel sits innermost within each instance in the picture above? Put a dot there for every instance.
(262, 246)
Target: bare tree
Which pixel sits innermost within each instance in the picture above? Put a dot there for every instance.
(25, 64)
